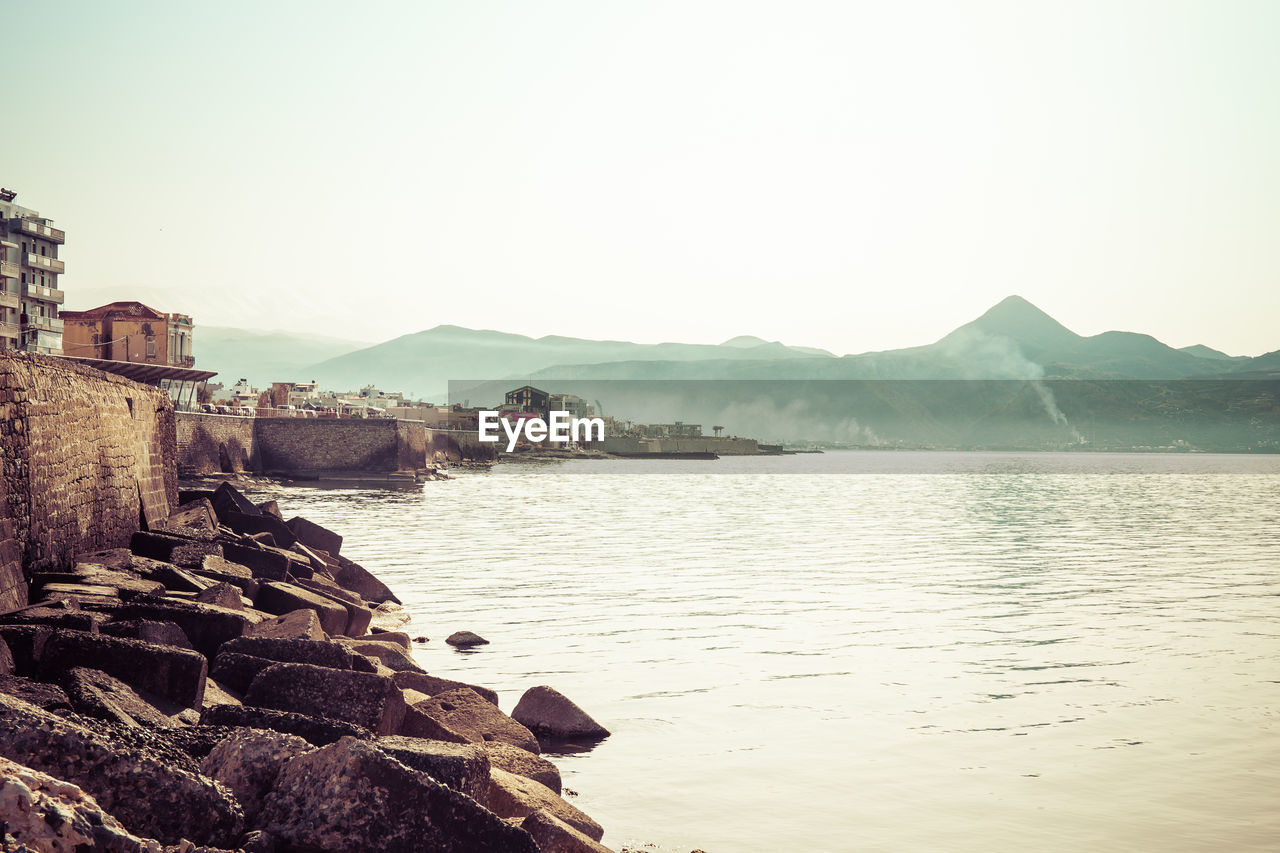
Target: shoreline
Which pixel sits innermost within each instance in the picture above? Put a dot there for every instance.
(234, 659)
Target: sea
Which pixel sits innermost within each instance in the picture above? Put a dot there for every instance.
(867, 651)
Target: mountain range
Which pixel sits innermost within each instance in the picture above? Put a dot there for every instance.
(1012, 340)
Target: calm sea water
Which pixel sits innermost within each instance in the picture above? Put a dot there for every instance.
(870, 651)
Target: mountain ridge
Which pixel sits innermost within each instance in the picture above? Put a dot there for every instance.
(1012, 339)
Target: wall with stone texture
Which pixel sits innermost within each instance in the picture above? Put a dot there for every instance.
(302, 446)
(458, 445)
(209, 444)
(87, 456)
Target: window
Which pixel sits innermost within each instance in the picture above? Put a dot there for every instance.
(151, 346)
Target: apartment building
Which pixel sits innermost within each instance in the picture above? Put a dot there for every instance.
(29, 270)
(129, 331)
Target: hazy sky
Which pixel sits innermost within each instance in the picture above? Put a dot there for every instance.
(849, 175)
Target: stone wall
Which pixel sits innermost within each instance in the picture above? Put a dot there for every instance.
(309, 446)
(208, 444)
(457, 445)
(704, 444)
(87, 456)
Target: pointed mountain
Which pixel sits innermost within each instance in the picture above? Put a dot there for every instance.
(1018, 320)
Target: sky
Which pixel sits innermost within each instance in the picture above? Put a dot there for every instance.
(850, 175)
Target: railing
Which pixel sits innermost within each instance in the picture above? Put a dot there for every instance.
(41, 262)
(49, 294)
(8, 269)
(49, 324)
(39, 229)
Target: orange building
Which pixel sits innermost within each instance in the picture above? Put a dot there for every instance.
(128, 331)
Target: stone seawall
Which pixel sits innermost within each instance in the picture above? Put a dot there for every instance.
(298, 446)
(87, 456)
(459, 445)
(208, 444)
(703, 444)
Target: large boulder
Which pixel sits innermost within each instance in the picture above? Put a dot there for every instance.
(184, 551)
(555, 836)
(314, 536)
(96, 694)
(353, 796)
(316, 652)
(248, 763)
(463, 767)
(147, 630)
(236, 671)
(521, 762)
(147, 791)
(55, 615)
(175, 674)
(261, 563)
(42, 813)
(121, 584)
(552, 716)
(356, 578)
(358, 614)
(363, 698)
(49, 697)
(207, 626)
(317, 731)
(263, 523)
(223, 594)
(279, 598)
(419, 724)
(515, 796)
(296, 625)
(400, 638)
(195, 515)
(466, 712)
(392, 655)
(227, 498)
(431, 685)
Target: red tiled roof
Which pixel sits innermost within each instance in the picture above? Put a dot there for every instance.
(128, 309)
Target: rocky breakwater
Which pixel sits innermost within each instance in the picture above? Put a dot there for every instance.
(221, 685)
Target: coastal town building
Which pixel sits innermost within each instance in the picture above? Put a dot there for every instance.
(131, 332)
(571, 403)
(526, 398)
(29, 270)
(454, 417)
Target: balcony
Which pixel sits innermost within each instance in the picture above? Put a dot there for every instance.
(47, 294)
(8, 269)
(40, 262)
(37, 229)
(44, 324)
(9, 300)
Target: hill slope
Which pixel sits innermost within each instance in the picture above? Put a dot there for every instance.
(263, 357)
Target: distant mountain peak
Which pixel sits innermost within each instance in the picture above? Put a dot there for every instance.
(745, 342)
(1016, 318)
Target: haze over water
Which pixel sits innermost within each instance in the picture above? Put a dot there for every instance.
(870, 651)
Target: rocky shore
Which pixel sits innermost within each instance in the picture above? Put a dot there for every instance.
(222, 684)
